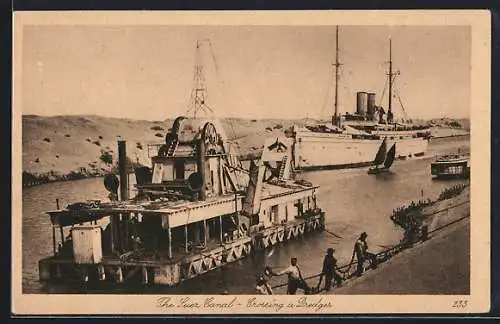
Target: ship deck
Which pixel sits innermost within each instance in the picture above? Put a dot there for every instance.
(185, 212)
(452, 159)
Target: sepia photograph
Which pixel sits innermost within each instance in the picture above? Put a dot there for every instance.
(202, 162)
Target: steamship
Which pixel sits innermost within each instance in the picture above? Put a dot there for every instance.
(351, 140)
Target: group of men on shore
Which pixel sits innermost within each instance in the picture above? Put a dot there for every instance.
(330, 270)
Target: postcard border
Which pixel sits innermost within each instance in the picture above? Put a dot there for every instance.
(479, 20)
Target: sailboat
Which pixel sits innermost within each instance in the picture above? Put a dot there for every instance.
(383, 159)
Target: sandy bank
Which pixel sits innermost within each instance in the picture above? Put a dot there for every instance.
(438, 266)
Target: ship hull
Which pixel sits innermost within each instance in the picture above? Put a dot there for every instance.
(455, 168)
(314, 151)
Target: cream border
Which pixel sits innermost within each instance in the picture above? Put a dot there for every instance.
(478, 300)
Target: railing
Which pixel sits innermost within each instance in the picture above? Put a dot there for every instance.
(153, 149)
(179, 183)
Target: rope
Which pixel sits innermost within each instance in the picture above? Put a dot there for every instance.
(396, 247)
(332, 233)
(350, 263)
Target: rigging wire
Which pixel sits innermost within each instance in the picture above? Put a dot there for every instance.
(383, 94)
(336, 78)
(199, 78)
(213, 58)
(221, 81)
(397, 92)
(402, 106)
(327, 95)
(193, 82)
(345, 87)
(381, 99)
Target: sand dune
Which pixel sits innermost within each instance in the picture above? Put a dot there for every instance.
(61, 145)
(58, 145)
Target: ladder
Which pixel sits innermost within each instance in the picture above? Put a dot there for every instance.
(283, 167)
(172, 147)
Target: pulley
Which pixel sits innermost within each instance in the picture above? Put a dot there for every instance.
(195, 181)
(111, 183)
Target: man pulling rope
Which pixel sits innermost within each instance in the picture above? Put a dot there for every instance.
(295, 279)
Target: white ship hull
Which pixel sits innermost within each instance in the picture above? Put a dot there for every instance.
(314, 150)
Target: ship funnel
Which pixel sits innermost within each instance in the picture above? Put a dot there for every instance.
(362, 102)
(370, 105)
(122, 168)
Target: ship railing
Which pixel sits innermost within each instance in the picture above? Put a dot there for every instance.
(153, 149)
(169, 184)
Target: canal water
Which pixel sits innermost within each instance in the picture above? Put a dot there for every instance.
(353, 200)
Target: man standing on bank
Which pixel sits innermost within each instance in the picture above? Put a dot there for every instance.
(362, 254)
(330, 270)
(295, 279)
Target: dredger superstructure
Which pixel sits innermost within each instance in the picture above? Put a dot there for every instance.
(196, 209)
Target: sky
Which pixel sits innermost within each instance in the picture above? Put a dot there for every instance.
(146, 72)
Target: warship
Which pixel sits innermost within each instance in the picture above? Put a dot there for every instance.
(351, 140)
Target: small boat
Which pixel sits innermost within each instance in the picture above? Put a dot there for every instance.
(384, 159)
(451, 166)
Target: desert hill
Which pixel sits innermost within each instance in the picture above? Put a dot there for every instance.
(81, 145)
(61, 147)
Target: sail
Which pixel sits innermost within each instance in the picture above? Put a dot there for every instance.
(382, 152)
(251, 203)
(390, 156)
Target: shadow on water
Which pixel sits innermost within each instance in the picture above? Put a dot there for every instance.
(386, 176)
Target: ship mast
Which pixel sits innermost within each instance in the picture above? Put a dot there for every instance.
(390, 75)
(336, 119)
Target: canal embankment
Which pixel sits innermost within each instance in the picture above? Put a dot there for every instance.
(432, 261)
(440, 265)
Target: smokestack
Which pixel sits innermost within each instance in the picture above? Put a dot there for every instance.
(371, 105)
(362, 101)
(122, 169)
(201, 168)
